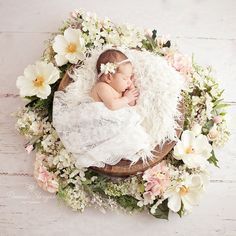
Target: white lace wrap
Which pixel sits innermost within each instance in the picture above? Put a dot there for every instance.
(96, 135)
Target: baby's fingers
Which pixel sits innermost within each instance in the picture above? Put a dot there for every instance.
(135, 92)
(133, 89)
(133, 77)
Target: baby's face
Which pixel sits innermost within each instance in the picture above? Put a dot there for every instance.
(122, 78)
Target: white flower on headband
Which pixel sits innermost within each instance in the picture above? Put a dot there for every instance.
(109, 67)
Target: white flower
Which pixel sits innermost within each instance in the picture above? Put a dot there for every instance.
(37, 79)
(197, 129)
(213, 133)
(69, 47)
(188, 192)
(209, 106)
(194, 151)
(62, 160)
(108, 68)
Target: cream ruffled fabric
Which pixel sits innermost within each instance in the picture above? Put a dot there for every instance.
(152, 120)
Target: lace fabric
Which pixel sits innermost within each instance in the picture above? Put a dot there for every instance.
(96, 135)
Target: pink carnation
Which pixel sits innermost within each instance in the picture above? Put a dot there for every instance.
(158, 179)
(46, 180)
(180, 62)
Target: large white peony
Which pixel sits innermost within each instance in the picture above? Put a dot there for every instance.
(69, 47)
(193, 150)
(37, 79)
(187, 192)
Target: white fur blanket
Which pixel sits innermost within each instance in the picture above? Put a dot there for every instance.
(160, 92)
(96, 135)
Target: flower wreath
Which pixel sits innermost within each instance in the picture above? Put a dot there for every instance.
(174, 184)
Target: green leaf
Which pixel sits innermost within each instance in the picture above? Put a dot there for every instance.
(61, 192)
(162, 211)
(33, 100)
(154, 34)
(181, 211)
(213, 160)
(209, 124)
(127, 202)
(219, 106)
(218, 101)
(221, 92)
(223, 113)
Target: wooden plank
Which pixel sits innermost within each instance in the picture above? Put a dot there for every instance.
(13, 157)
(188, 18)
(25, 50)
(28, 210)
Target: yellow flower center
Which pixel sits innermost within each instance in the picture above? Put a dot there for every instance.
(189, 150)
(71, 48)
(183, 190)
(38, 82)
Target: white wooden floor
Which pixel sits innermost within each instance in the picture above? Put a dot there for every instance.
(207, 28)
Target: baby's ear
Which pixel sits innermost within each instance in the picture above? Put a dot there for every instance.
(108, 78)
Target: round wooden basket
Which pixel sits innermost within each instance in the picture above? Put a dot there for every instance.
(123, 168)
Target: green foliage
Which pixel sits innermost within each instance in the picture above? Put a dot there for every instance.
(208, 125)
(162, 211)
(181, 211)
(61, 193)
(44, 105)
(127, 202)
(213, 160)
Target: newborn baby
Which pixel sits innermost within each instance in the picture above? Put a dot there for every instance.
(96, 130)
(115, 86)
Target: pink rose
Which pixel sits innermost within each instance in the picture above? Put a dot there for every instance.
(180, 62)
(157, 179)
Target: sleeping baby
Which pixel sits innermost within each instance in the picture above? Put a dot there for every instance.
(103, 127)
(115, 86)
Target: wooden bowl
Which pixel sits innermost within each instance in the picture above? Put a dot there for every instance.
(123, 168)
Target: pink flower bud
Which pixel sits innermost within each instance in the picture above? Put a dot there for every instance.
(217, 119)
(29, 148)
(213, 134)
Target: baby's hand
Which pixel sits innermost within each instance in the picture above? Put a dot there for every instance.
(132, 94)
(133, 78)
(132, 85)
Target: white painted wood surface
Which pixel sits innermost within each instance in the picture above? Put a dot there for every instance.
(207, 28)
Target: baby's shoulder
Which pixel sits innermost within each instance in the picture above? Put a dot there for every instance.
(102, 86)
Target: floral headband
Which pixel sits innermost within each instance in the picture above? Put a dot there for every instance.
(110, 67)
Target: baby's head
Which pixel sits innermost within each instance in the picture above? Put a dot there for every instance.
(114, 68)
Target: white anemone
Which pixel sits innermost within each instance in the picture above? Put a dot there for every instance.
(69, 47)
(193, 150)
(37, 79)
(187, 192)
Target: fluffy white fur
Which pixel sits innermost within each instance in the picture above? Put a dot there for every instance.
(160, 91)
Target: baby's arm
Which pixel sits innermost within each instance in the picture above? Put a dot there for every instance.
(104, 91)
